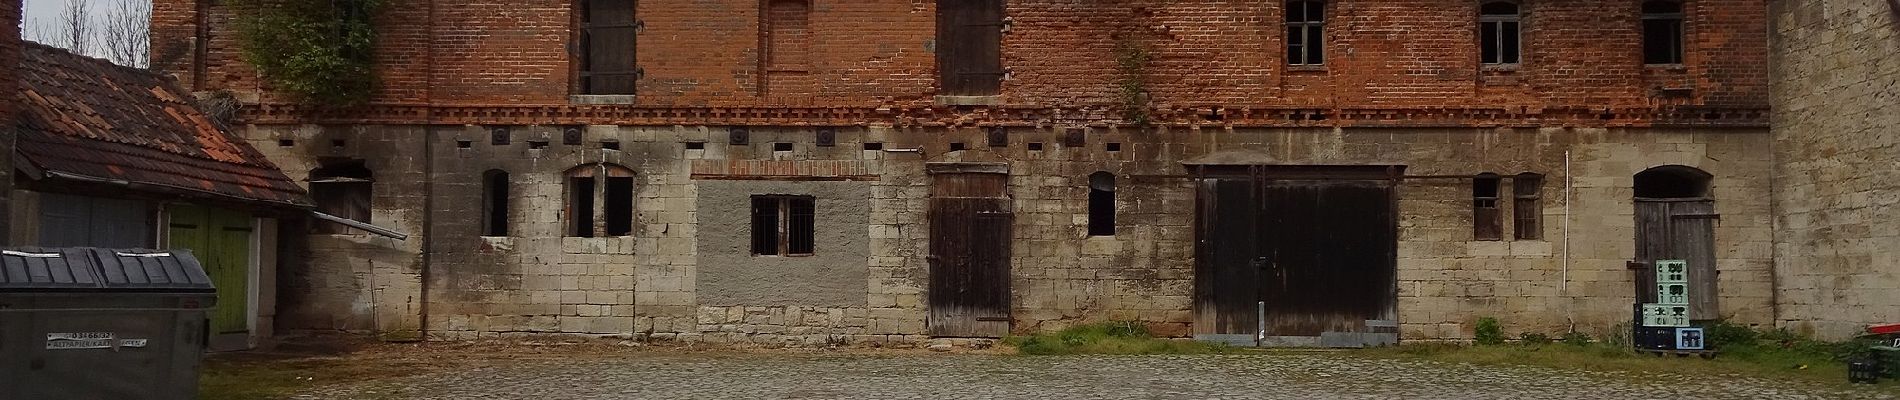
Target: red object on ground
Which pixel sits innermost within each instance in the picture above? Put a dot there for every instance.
(1883, 329)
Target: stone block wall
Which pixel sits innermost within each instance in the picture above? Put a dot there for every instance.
(1837, 192)
(678, 276)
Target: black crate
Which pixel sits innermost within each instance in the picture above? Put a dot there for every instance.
(1654, 338)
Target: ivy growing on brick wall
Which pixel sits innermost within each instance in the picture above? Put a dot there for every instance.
(321, 52)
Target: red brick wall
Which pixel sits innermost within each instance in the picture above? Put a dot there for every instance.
(1380, 54)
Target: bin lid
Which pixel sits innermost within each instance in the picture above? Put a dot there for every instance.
(87, 269)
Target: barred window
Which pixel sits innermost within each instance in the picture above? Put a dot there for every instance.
(1662, 32)
(1526, 208)
(1486, 223)
(783, 225)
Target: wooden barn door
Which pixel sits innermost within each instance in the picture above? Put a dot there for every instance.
(1679, 229)
(222, 242)
(1314, 257)
(970, 225)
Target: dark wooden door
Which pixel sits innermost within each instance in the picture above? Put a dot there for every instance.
(1317, 254)
(970, 225)
(1679, 229)
(969, 47)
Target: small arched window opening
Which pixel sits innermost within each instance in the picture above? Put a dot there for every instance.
(1486, 224)
(1662, 32)
(1527, 206)
(1102, 204)
(599, 200)
(1499, 24)
(495, 203)
(341, 187)
(1305, 32)
(1673, 182)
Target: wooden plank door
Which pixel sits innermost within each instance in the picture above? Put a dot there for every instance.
(970, 233)
(969, 47)
(1679, 229)
(222, 242)
(1227, 284)
(1331, 266)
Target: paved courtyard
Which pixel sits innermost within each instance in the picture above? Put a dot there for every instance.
(940, 376)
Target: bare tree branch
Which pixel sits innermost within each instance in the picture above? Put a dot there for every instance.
(127, 40)
(75, 27)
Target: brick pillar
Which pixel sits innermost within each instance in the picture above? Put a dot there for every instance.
(174, 40)
(9, 93)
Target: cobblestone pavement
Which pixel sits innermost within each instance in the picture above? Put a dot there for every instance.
(937, 376)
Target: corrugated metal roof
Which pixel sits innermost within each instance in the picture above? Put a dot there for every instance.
(96, 269)
(90, 119)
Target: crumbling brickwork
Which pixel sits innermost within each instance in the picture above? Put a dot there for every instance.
(1837, 193)
(1402, 87)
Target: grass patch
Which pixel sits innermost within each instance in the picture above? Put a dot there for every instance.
(254, 378)
(1109, 338)
(1769, 354)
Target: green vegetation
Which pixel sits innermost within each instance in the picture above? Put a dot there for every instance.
(320, 51)
(1109, 338)
(258, 378)
(1131, 64)
(1742, 351)
(1489, 332)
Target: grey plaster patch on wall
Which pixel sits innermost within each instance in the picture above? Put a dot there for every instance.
(834, 276)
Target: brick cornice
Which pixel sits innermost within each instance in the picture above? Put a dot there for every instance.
(1014, 116)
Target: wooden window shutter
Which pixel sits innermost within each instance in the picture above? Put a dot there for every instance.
(970, 47)
(609, 36)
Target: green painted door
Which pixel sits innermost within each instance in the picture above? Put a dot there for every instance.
(222, 241)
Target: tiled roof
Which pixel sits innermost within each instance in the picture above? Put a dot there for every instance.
(85, 118)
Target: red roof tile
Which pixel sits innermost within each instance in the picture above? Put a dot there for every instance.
(87, 117)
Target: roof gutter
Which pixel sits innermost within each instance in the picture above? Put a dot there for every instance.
(386, 232)
(170, 189)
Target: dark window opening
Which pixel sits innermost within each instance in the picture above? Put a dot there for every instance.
(1035, 146)
(463, 144)
(1113, 147)
(610, 145)
(1499, 23)
(1526, 210)
(495, 203)
(695, 145)
(619, 211)
(873, 146)
(1305, 32)
(338, 142)
(580, 206)
(286, 142)
(956, 146)
(603, 190)
(969, 47)
(781, 146)
(537, 144)
(1662, 32)
(1486, 224)
(1672, 182)
(341, 187)
(1102, 204)
(783, 225)
(608, 34)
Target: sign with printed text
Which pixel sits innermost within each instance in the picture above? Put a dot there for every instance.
(89, 340)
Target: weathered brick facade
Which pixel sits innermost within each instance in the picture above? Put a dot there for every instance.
(10, 58)
(1402, 87)
(1837, 193)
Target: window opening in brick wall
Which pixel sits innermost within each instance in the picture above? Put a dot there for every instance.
(608, 34)
(1526, 208)
(956, 146)
(873, 146)
(782, 146)
(970, 47)
(495, 203)
(695, 145)
(1102, 204)
(341, 187)
(1305, 32)
(1662, 32)
(1484, 208)
(787, 46)
(783, 225)
(600, 200)
(537, 144)
(1499, 23)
